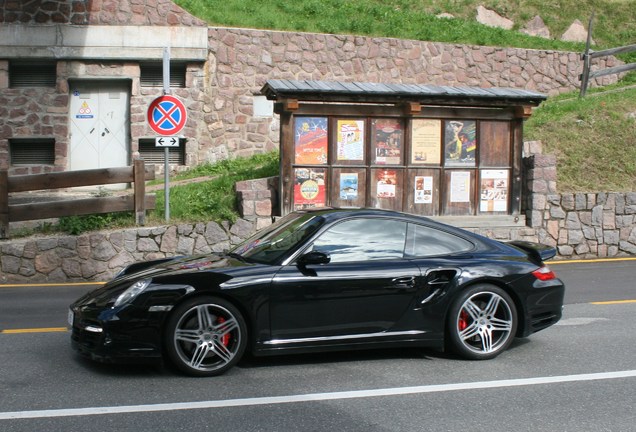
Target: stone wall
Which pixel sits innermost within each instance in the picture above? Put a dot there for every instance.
(101, 255)
(580, 225)
(96, 12)
(242, 60)
(257, 200)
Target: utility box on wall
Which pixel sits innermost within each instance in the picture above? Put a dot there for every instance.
(428, 150)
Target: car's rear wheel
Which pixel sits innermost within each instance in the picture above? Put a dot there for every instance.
(482, 322)
(205, 336)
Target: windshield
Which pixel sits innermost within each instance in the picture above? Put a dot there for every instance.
(270, 245)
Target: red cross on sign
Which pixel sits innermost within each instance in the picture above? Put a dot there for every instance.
(167, 115)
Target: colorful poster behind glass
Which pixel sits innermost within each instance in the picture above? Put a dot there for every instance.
(423, 190)
(387, 141)
(350, 143)
(309, 188)
(349, 186)
(387, 183)
(310, 140)
(460, 142)
(494, 191)
(426, 141)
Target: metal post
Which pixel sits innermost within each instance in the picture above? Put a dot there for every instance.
(166, 167)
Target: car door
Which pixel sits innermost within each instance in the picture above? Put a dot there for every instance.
(365, 289)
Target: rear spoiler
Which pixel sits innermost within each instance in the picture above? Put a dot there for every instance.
(536, 251)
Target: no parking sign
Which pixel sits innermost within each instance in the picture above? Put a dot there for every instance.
(167, 115)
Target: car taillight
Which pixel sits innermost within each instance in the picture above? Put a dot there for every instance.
(544, 273)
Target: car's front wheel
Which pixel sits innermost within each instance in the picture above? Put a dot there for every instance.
(482, 322)
(205, 336)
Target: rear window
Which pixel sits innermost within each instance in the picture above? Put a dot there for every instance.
(423, 241)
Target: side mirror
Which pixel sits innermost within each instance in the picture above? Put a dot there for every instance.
(313, 258)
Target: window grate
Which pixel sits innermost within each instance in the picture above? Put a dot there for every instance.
(156, 155)
(35, 151)
(152, 74)
(31, 74)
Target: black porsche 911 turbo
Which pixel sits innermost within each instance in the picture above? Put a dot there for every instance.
(331, 279)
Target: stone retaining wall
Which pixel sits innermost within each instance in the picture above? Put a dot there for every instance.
(101, 255)
(580, 225)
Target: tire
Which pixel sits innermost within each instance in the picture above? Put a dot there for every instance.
(482, 322)
(205, 336)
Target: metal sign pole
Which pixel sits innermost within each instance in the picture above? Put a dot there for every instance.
(166, 167)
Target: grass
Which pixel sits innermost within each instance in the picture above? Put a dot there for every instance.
(209, 196)
(613, 24)
(214, 199)
(593, 138)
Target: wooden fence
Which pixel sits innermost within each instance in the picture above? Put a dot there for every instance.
(138, 202)
(589, 55)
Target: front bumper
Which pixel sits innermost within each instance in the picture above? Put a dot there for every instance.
(108, 335)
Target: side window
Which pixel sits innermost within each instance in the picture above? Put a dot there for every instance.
(423, 241)
(363, 239)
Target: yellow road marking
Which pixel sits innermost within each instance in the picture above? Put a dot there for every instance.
(613, 302)
(597, 260)
(35, 330)
(51, 284)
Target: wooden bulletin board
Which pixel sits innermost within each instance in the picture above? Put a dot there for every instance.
(439, 161)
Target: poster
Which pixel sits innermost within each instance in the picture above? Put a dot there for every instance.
(460, 187)
(460, 142)
(350, 140)
(309, 188)
(426, 141)
(387, 184)
(387, 141)
(423, 190)
(310, 140)
(494, 191)
(349, 186)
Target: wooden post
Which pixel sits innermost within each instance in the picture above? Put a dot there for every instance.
(139, 177)
(4, 204)
(585, 76)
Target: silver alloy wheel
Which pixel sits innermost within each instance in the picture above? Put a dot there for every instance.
(485, 322)
(207, 337)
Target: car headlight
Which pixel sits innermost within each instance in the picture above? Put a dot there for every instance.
(133, 291)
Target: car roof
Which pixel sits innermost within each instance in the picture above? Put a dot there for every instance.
(332, 214)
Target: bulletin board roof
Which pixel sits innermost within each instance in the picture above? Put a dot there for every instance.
(339, 91)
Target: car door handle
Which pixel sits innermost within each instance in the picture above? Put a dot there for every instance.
(404, 282)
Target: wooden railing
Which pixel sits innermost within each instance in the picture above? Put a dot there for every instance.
(589, 55)
(138, 202)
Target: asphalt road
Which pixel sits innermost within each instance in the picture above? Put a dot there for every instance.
(579, 375)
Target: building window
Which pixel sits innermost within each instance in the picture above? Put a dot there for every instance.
(152, 74)
(32, 74)
(32, 151)
(156, 155)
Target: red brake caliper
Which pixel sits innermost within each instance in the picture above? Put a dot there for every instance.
(225, 339)
(463, 320)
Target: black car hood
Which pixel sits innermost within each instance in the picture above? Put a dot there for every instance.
(172, 270)
(178, 266)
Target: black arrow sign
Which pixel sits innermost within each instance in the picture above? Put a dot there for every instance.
(167, 142)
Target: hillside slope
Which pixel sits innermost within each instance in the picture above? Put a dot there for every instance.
(592, 137)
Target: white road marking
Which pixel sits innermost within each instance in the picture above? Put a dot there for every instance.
(312, 397)
(579, 321)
